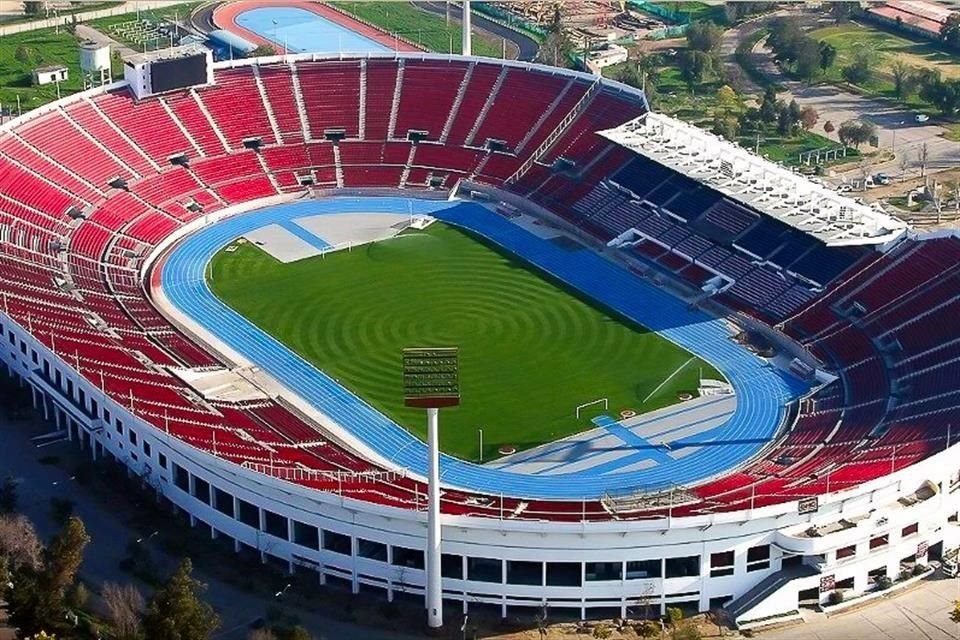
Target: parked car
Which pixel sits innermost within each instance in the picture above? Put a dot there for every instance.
(921, 117)
(882, 178)
(845, 188)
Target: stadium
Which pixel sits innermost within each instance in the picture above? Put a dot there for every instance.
(704, 381)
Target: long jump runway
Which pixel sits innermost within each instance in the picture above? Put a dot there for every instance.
(761, 391)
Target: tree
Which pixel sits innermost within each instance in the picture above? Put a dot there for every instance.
(556, 47)
(943, 94)
(828, 54)
(727, 98)
(704, 36)
(807, 58)
(785, 34)
(855, 132)
(124, 605)
(20, 547)
(262, 51)
(829, 127)
(860, 70)
(63, 559)
(768, 106)
(955, 612)
(902, 74)
(264, 633)
(923, 154)
(808, 117)
(727, 126)
(176, 611)
(299, 633)
(694, 66)
(950, 30)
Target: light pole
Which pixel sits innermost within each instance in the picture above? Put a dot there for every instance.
(467, 30)
(893, 146)
(431, 381)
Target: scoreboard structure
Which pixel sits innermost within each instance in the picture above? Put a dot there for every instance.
(168, 70)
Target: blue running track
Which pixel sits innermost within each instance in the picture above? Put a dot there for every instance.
(762, 391)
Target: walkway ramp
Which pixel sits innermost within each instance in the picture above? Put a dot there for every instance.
(774, 596)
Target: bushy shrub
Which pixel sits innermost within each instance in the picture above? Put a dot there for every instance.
(835, 597)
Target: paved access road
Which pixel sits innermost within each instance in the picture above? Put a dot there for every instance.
(921, 613)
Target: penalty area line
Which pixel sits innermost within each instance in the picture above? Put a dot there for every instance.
(668, 378)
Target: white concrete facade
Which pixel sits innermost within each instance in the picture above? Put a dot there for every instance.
(606, 568)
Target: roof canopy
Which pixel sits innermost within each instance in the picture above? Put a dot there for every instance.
(766, 186)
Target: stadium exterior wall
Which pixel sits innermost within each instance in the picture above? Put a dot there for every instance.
(589, 567)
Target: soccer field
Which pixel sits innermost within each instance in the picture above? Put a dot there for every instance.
(530, 350)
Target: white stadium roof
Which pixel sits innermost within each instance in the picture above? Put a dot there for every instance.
(766, 186)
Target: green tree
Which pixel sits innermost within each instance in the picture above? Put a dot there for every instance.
(854, 133)
(727, 99)
(807, 58)
(262, 51)
(63, 558)
(694, 66)
(903, 78)
(861, 68)
(176, 611)
(942, 94)
(704, 36)
(950, 30)
(768, 106)
(727, 126)
(828, 54)
(955, 612)
(299, 633)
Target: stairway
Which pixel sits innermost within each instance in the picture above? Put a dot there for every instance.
(395, 107)
(338, 164)
(486, 107)
(462, 91)
(749, 605)
(183, 129)
(301, 106)
(120, 132)
(213, 124)
(266, 105)
(363, 99)
(543, 118)
(555, 135)
(408, 166)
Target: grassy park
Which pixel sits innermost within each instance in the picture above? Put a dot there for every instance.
(531, 351)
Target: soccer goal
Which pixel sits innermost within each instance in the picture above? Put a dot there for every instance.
(606, 405)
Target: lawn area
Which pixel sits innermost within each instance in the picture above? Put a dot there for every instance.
(530, 351)
(21, 53)
(80, 7)
(420, 27)
(889, 47)
(693, 10)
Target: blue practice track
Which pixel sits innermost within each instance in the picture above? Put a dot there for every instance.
(299, 30)
(762, 391)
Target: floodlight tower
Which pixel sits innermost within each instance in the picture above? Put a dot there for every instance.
(467, 31)
(430, 381)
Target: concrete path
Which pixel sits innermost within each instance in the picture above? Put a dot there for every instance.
(921, 613)
(93, 35)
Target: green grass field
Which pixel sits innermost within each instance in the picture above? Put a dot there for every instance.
(420, 27)
(530, 350)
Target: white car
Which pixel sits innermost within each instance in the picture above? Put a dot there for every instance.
(845, 188)
(921, 117)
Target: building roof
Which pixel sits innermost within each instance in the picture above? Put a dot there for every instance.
(756, 182)
(919, 14)
(170, 53)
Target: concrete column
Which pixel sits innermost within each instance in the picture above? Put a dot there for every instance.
(467, 29)
(434, 584)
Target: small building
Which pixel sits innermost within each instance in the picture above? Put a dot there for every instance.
(920, 17)
(605, 56)
(50, 74)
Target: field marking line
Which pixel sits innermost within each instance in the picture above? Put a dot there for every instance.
(668, 378)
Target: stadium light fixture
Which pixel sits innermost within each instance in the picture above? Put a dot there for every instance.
(431, 381)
